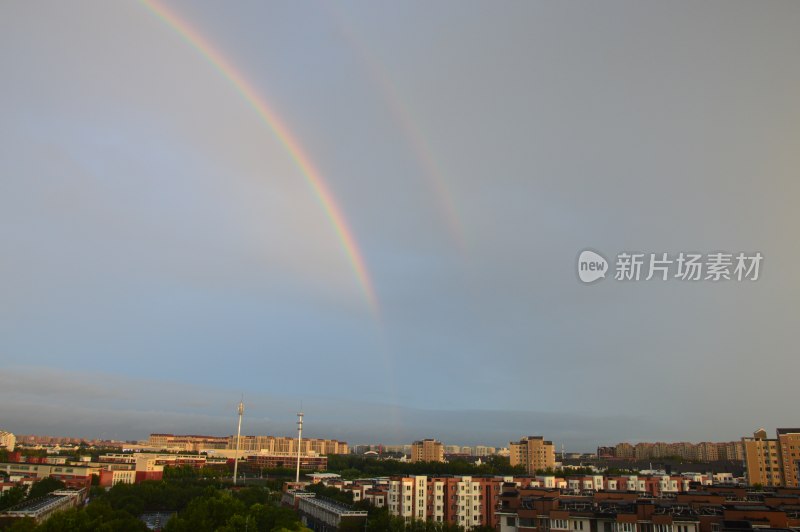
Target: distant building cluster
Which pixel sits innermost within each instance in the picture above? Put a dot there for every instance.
(265, 444)
(32, 440)
(466, 450)
(450, 451)
(701, 452)
(77, 473)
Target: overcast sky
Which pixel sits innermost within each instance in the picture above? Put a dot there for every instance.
(161, 253)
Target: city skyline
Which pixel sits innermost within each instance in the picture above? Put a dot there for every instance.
(376, 211)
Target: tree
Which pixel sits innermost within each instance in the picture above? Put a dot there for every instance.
(11, 497)
(26, 524)
(42, 487)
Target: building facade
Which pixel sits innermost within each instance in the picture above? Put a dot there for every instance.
(268, 444)
(533, 453)
(465, 501)
(703, 452)
(714, 509)
(428, 450)
(789, 449)
(7, 440)
(772, 461)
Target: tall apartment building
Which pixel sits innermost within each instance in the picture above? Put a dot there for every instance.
(534, 453)
(465, 501)
(7, 440)
(707, 452)
(428, 450)
(789, 448)
(762, 460)
(624, 450)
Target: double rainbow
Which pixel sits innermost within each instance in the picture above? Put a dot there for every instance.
(283, 135)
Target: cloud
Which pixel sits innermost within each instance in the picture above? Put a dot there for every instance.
(88, 404)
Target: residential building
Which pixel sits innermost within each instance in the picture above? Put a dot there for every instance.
(269, 444)
(715, 509)
(703, 452)
(624, 450)
(789, 449)
(484, 450)
(466, 501)
(533, 453)
(7, 440)
(762, 459)
(428, 450)
(283, 444)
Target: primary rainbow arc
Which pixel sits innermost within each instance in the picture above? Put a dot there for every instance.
(283, 135)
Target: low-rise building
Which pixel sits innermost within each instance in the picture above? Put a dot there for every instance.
(72, 476)
(288, 461)
(715, 509)
(320, 513)
(42, 508)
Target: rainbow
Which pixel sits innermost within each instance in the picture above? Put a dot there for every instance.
(282, 134)
(403, 117)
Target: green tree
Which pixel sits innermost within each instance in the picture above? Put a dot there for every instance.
(11, 497)
(26, 524)
(42, 487)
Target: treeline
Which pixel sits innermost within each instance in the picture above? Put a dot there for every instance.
(200, 505)
(353, 466)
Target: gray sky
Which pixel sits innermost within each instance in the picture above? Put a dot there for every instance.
(161, 253)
